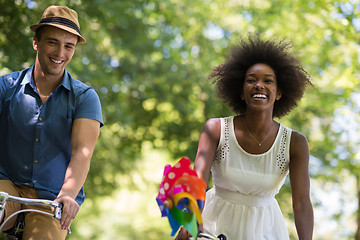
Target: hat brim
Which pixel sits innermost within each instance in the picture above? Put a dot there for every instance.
(68, 29)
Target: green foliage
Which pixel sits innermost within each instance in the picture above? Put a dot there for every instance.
(149, 60)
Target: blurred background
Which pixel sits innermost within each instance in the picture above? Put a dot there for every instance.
(149, 61)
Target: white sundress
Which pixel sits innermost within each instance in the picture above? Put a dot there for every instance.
(242, 203)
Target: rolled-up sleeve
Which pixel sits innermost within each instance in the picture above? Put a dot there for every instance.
(88, 106)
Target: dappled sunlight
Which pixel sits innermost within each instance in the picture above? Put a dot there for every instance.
(334, 199)
(132, 210)
(149, 62)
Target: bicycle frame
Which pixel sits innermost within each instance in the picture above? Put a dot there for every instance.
(5, 197)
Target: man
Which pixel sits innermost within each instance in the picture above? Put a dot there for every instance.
(49, 124)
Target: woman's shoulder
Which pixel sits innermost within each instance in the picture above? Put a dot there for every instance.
(212, 128)
(216, 122)
(213, 123)
(298, 144)
(297, 136)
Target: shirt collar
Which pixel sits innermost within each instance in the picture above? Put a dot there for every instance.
(65, 82)
(28, 77)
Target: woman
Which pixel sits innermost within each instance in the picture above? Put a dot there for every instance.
(250, 154)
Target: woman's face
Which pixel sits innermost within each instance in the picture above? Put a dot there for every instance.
(260, 87)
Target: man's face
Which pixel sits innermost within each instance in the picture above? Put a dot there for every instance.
(55, 49)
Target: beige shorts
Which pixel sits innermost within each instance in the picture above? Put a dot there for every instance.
(37, 225)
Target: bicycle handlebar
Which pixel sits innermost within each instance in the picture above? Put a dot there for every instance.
(4, 196)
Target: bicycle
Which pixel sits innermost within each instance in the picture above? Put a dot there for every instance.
(16, 232)
(208, 236)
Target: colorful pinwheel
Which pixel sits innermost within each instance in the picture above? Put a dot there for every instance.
(181, 196)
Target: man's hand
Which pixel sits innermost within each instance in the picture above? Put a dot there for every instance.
(69, 211)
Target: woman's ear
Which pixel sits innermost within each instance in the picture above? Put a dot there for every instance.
(242, 95)
(278, 94)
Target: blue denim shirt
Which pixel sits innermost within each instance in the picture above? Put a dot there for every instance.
(35, 138)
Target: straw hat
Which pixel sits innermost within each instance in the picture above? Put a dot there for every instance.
(61, 17)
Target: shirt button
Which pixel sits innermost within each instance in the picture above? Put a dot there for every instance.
(40, 119)
(34, 181)
(36, 139)
(36, 161)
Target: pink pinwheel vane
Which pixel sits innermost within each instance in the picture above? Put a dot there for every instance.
(181, 196)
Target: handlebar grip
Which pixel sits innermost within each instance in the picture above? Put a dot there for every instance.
(208, 236)
(222, 237)
(58, 211)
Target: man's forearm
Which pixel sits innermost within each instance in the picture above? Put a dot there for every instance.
(75, 175)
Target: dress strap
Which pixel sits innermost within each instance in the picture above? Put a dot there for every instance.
(283, 156)
(223, 147)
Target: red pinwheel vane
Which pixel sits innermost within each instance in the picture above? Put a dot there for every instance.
(181, 196)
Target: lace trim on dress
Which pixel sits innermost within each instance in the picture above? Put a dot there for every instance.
(220, 153)
(281, 157)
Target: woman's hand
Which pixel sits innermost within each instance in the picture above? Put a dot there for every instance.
(183, 234)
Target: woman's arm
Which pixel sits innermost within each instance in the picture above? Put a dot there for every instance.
(208, 142)
(300, 186)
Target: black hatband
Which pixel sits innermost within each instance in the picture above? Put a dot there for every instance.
(62, 21)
